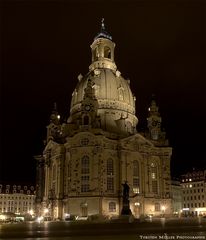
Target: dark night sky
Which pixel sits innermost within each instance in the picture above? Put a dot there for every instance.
(46, 44)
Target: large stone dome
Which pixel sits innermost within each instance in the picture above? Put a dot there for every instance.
(116, 103)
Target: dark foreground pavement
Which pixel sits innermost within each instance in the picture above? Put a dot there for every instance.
(156, 229)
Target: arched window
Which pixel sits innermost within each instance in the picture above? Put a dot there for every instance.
(107, 52)
(85, 164)
(85, 174)
(110, 167)
(95, 54)
(153, 170)
(121, 94)
(110, 174)
(86, 120)
(136, 176)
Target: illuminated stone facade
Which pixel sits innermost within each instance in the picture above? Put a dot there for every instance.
(87, 159)
(194, 193)
(17, 198)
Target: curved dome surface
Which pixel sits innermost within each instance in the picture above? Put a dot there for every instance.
(108, 86)
(115, 100)
(116, 103)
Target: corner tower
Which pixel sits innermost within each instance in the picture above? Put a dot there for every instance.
(116, 103)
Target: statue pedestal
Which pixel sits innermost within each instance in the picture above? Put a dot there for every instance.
(126, 209)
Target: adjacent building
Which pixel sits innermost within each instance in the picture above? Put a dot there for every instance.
(176, 194)
(17, 198)
(87, 158)
(194, 193)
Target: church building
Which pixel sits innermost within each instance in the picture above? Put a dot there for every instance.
(87, 159)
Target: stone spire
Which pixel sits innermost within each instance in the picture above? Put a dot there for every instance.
(55, 117)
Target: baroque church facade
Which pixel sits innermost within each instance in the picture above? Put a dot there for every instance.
(87, 159)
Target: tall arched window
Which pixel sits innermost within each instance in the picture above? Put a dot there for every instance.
(86, 120)
(136, 176)
(110, 174)
(121, 93)
(54, 175)
(153, 169)
(85, 170)
(95, 54)
(107, 52)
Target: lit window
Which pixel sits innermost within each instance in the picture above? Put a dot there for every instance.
(84, 183)
(85, 174)
(157, 207)
(112, 207)
(110, 183)
(154, 187)
(110, 174)
(136, 176)
(85, 165)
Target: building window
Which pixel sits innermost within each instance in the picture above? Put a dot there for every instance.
(86, 120)
(153, 171)
(85, 174)
(112, 207)
(110, 183)
(110, 174)
(85, 165)
(121, 94)
(85, 184)
(107, 52)
(157, 207)
(84, 141)
(154, 178)
(136, 176)
(110, 167)
(154, 187)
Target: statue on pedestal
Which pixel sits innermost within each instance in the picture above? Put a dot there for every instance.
(126, 209)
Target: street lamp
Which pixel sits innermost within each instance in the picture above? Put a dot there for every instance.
(46, 210)
(163, 210)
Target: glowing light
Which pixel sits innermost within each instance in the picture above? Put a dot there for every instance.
(2, 217)
(39, 219)
(58, 116)
(190, 185)
(46, 210)
(163, 208)
(31, 212)
(137, 204)
(190, 179)
(136, 190)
